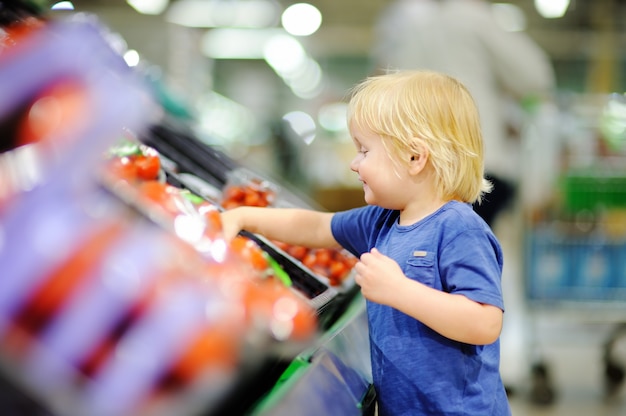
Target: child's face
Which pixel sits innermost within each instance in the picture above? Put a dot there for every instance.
(384, 182)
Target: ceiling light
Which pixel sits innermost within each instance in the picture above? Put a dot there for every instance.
(332, 116)
(301, 19)
(302, 125)
(219, 13)
(62, 5)
(131, 57)
(154, 7)
(551, 9)
(236, 43)
(284, 53)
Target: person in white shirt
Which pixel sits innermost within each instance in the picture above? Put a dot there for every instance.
(463, 39)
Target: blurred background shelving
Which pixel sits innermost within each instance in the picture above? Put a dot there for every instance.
(585, 45)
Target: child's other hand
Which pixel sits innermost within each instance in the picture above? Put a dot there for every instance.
(377, 276)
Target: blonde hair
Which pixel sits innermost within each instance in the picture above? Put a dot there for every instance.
(412, 108)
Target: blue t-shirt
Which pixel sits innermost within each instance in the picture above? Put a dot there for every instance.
(415, 370)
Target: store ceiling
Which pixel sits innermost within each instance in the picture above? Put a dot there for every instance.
(347, 23)
(591, 35)
(362, 13)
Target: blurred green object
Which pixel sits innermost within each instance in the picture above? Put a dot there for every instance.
(594, 190)
(12, 11)
(33, 6)
(613, 122)
(171, 103)
(40, 5)
(281, 274)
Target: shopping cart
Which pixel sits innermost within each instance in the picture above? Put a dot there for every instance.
(575, 248)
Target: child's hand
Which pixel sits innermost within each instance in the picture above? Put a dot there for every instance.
(231, 223)
(377, 276)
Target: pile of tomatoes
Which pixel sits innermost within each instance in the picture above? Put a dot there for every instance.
(132, 161)
(254, 192)
(333, 264)
(261, 283)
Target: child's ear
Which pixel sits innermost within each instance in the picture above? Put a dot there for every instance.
(418, 160)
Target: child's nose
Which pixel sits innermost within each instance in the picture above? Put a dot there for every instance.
(354, 164)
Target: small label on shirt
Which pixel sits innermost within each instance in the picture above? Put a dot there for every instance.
(419, 253)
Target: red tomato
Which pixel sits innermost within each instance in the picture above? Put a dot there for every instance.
(213, 219)
(297, 252)
(309, 260)
(253, 194)
(162, 194)
(230, 204)
(97, 357)
(233, 194)
(281, 308)
(148, 167)
(281, 245)
(322, 257)
(253, 199)
(59, 111)
(250, 252)
(65, 278)
(122, 168)
(212, 347)
(17, 31)
(337, 270)
(350, 261)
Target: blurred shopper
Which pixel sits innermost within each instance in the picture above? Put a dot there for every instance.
(462, 38)
(500, 68)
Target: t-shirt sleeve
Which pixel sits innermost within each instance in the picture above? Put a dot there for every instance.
(350, 229)
(471, 265)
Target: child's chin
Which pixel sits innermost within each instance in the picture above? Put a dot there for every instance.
(369, 199)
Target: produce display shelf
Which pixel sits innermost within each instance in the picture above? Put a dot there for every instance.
(332, 377)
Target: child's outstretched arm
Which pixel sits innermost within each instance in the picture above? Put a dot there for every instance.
(296, 226)
(452, 315)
